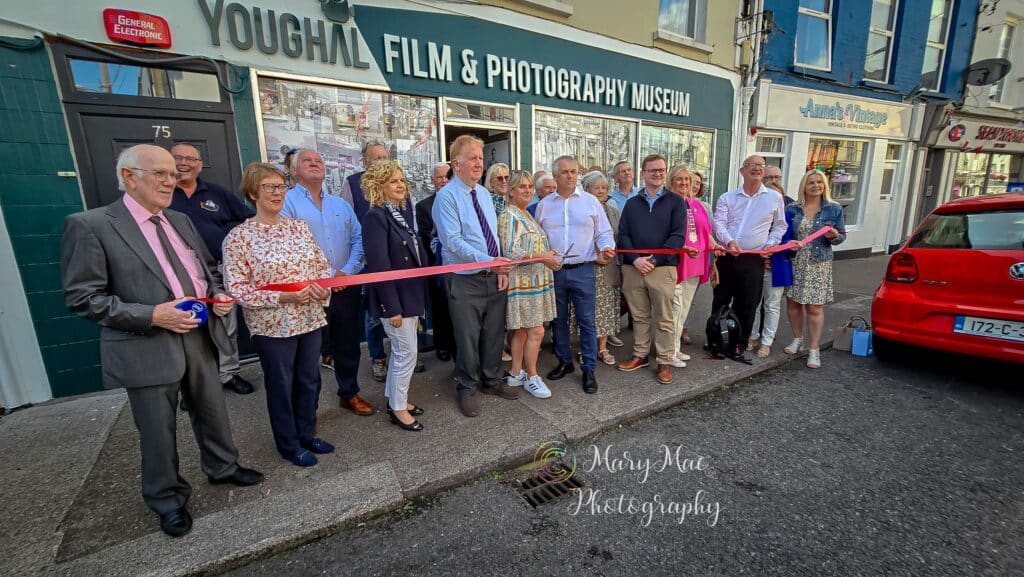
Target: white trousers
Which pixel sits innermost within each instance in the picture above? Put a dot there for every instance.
(771, 299)
(402, 361)
(681, 305)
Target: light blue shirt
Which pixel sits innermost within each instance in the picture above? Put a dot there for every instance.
(754, 222)
(647, 197)
(458, 226)
(335, 227)
(578, 221)
(620, 199)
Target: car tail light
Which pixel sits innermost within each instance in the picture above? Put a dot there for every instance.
(902, 268)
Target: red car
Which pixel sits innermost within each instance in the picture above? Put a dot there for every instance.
(957, 285)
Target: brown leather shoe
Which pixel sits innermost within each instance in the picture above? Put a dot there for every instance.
(502, 390)
(357, 406)
(665, 374)
(633, 364)
(469, 405)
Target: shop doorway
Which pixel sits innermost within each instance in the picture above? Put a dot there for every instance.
(497, 143)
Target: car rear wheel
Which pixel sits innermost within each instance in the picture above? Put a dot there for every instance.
(888, 350)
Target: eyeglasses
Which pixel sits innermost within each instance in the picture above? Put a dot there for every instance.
(772, 177)
(282, 188)
(159, 173)
(655, 170)
(502, 178)
(188, 159)
(753, 165)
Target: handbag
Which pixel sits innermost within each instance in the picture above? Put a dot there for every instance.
(854, 337)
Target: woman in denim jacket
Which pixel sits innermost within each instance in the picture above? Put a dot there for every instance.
(812, 266)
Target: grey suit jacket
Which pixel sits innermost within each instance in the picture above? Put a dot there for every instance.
(112, 277)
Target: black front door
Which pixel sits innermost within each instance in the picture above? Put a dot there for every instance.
(105, 133)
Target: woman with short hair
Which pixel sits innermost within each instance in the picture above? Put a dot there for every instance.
(285, 326)
(496, 181)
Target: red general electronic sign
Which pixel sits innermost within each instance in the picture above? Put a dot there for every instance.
(136, 28)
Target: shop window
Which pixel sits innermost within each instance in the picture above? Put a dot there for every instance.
(1006, 38)
(686, 18)
(337, 121)
(772, 148)
(935, 48)
(461, 110)
(814, 34)
(692, 148)
(594, 141)
(843, 162)
(133, 80)
(983, 173)
(880, 36)
(893, 152)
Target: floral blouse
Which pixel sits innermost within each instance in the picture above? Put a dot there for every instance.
(257, 254)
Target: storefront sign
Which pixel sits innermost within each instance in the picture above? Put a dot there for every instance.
(283, 32)
(818, 112)
(136, 28)
(981, 136)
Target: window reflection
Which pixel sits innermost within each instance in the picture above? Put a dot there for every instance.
(132, 80)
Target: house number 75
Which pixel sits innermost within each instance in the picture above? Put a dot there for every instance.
(161, 130)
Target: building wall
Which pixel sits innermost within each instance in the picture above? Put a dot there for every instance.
(850, 20)
(34, 148)
(637, 21)
(990, 27)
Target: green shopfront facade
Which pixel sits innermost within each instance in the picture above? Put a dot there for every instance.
(297, 74)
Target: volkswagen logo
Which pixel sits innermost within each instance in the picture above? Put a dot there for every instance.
(1017, 271)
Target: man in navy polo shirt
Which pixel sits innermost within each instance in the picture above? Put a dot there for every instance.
(214, 210)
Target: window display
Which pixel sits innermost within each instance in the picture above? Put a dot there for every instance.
(984, 173)
(842, 161)
(592, 140)
(336, 122)
(680, 146)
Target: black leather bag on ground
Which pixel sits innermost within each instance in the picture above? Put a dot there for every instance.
(723, 333)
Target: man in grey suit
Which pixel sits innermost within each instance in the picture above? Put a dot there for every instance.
(125, 266)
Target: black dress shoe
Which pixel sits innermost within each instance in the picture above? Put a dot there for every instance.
(415, 411)
(443, 355)
(413, 426)
(176, 523)
(560, 371)
(239, 385)
(242, 477)
(589, 382)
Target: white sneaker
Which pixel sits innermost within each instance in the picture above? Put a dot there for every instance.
(536, 387)
(682, 356)
(678, 362)
(614, 341)
(813, 359)
(517, 381)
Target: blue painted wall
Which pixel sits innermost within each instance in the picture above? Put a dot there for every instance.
(850, 21)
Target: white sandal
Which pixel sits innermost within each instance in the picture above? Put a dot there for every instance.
(813, 359)
(794, 347)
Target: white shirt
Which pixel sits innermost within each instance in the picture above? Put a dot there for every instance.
(754, 222)
(578, 222)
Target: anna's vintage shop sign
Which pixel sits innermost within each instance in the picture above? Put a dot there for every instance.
(808, 111)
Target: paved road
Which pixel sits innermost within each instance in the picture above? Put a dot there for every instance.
(861, 468)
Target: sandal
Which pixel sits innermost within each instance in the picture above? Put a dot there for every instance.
(686, 337)
(606, 357)
(763, 351)
(751, 344)
(794, 347)
(813, 359)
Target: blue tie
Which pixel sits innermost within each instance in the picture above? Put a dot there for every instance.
(492, 246)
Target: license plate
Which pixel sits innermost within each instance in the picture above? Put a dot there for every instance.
(996, 329)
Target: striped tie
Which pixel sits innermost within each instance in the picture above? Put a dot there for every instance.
(492, 246)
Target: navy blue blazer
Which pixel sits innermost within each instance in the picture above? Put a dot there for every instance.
(389, 246)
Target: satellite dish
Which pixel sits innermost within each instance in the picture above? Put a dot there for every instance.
(988, 71)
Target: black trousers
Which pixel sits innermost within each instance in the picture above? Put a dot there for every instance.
(344, 321)
(444, 337)
(740, 281)
(291, 376)
(478, 319)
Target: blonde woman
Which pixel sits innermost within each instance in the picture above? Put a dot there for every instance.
(531, 287)
(391, 243)
(496, 181)
(812, 266)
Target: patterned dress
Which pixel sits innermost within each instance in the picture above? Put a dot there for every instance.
(812, 279)
(531, 287)
(257, 254)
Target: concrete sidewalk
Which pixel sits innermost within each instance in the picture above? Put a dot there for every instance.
(71, 468)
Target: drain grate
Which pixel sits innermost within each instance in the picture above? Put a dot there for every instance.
(548, 484)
